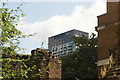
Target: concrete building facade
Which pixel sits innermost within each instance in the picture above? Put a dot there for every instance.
(63, 44)
(109, 36)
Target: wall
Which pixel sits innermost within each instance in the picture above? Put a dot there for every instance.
(42, 64)
(108, 36)
(49, 65)
(55, 68)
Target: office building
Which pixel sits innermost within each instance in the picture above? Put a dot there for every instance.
(63, 44)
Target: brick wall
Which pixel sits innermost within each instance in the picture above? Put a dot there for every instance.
(55, 68)
(42, 63)
(109, 35)
(49, 65)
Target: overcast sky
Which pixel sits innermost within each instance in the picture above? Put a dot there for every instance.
(50, 18)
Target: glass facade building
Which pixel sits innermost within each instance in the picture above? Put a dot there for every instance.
(63, 44)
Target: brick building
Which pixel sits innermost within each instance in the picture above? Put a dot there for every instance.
(109, 35)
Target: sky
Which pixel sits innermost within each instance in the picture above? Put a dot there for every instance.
(51, 18)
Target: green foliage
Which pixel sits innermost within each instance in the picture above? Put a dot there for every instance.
(48, 66)
(43, 44)
(82, 62)
(12, 67)
(9, 34)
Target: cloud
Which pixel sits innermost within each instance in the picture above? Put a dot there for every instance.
(82, 18)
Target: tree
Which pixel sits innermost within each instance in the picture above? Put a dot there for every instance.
(9, 34)
(9, 43)
(82, 63)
